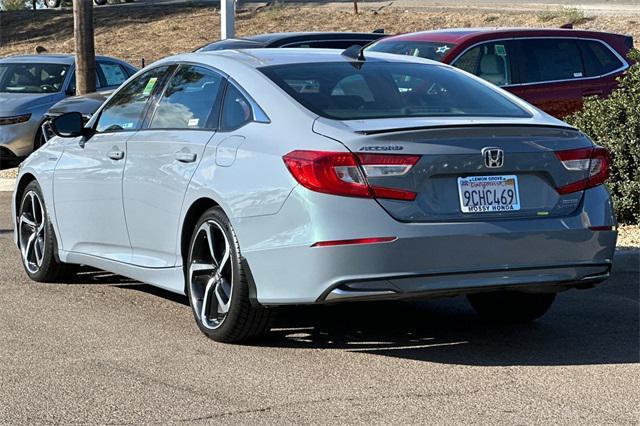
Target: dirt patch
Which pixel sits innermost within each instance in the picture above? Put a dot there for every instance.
(628, 237)
(8, 173)
(133, 33)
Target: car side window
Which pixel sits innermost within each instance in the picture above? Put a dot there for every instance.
(190, 100)
(114, 74)
(236, 109)
(489, 61)
(548, 59)
(598, 58)
(126, 109)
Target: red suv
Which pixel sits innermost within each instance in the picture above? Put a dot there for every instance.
(553, 69)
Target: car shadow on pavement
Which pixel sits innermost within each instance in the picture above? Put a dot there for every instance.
(590, 327)
(448, 331)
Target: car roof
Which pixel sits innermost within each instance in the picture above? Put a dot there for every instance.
(48, 58)
(257, 58)
(284, 38)
(459, 35)
(318, 35)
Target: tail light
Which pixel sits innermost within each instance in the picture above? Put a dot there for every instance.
(345, 173)
(595, 161)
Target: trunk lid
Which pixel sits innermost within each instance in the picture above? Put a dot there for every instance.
(451, 151)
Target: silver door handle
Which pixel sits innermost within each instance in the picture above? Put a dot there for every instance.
(116, 155)
(185, 157)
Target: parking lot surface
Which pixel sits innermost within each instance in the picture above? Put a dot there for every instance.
(103, 349)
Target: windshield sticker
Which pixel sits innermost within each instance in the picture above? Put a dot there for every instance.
(441, 50)
(500, 50)
(193, 122)
(150, 85)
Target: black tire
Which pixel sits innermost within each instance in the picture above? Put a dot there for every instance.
(46, 267)
(100, 2)
(242, 321)
(52, 3)
(511, 307)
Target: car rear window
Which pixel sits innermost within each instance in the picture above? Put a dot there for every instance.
(423, 49)
(374, 89)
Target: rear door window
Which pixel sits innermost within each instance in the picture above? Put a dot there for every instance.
(598, 58)
(114, 74)
(489, 61)
(550, 59)
(190, 100)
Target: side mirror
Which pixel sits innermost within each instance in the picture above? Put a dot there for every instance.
(69, 125)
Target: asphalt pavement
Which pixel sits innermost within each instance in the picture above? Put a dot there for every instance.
(104, 349)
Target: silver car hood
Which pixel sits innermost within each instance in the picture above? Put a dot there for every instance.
(21, 103)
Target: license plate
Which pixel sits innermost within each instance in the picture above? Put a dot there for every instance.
(481, 194)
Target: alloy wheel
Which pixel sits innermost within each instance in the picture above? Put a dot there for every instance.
(210, 274)
(31, 225)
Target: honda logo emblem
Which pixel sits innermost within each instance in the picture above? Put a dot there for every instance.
(493, 157)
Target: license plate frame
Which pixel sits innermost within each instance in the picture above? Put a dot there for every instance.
(491, 193)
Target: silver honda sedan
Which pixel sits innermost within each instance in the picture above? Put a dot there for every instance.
(31, 84)
(258, 178)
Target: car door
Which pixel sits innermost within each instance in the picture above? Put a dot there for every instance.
(162, 159)
(551, 75)
(88, 177)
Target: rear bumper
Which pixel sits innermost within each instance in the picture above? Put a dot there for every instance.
(543, 279)
(426, 259)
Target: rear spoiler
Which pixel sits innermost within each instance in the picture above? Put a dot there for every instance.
(453, 126)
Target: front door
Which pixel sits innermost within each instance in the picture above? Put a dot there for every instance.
(87, 182)
(162, 159)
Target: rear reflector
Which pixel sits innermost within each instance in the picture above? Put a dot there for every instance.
(344, 173)
(354, 241)
(601, 228)
(595, 161)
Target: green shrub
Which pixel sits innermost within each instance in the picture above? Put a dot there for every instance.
(14, 4)
(614, 123)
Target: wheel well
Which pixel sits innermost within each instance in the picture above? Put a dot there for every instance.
(191, 218)
(25, 180)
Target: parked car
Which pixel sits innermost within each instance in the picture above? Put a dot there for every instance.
(554, 69)
(312, 176)
(56, 3)
(327, 40)
(31, 84)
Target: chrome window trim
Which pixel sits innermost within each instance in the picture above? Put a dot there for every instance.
(624, 67)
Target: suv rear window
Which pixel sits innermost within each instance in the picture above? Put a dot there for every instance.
(598, 58)
(345, 91)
